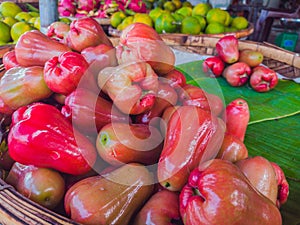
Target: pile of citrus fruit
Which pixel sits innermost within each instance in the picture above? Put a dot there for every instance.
(174, 16)
(14, 22)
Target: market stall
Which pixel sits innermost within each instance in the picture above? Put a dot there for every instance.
(146, 125)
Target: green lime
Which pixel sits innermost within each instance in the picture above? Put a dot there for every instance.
(9, 20)
(201, 9)
(126, 22)
(117, 18)
(154, 13)
(178, 17)
(165, 23)
(190, 25)
(187, 4)
(9, 9)
(34, 14)
(239, 22)
(159, 3)
(32, 20)
(37, 23)
(4, 32)
(143, 18)
(217, 15)
(170, 6)
(202, 21)
(185, 11)
(177, 3)
(23, 16)
(18, 29)
(214, 28)
(228, 18)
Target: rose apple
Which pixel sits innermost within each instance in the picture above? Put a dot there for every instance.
(42, 185)
(86, 32)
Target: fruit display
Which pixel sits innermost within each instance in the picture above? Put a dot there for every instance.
(14, 21)
(174, 16)
(239, 67)
(106, 134)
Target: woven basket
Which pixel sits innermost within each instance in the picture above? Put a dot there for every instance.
(15, 209)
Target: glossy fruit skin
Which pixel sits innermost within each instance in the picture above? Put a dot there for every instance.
(21, 86)
(215, 64)
(232, 149)
(119, 143)
(34, 49)
(9, 60)
(261, 174)
(263, 79)
(193, 135)
(227, 49)
(168, 210)
(251, 57)
(283, 185)
(176, 78)
(42, 185)
(90, 112)
(140, 42)
(166, 97)
(237, 74)
(221, 186)
(58, 31)
(193, 95)
(237, 117)
(86, 32)
(131, 86)
(65, 150)
(63, 73)
(112, 198)
(100, 56)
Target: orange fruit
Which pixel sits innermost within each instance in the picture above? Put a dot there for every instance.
(126, 22)
(190, 25)
(9, 9)
(9, 20)
(217, 15)
(165, 23)
(177, 3)
(117, 18)
(239, 22)
(143, 18)
(202, 21)
(170, 6)
(215, 28)
(155, 13)
(185, 11)
(201, 9)
(23, 16)
(4, 32)
(18, 29)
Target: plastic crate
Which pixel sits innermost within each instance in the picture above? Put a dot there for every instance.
(287, 40)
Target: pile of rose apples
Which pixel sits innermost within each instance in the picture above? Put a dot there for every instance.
(240, 67)
(115, 135)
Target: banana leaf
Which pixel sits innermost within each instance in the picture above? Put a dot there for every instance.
(278, 141)
(274, 127)
(283, 101)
